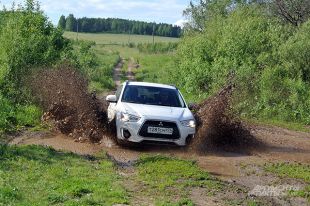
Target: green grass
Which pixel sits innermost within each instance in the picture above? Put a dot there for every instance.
(33, 175)
(106, 38)
(154, 67)
(305, 193)
(293, 170)
(124, 51)
(159, 68)
(103, 75)
(36, 175)
(167, 178)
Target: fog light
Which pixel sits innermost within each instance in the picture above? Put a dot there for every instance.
(126, 133)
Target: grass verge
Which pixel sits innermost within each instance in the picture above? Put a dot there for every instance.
(171, 180)
(293, 170)
(48, 177)
(287, 125)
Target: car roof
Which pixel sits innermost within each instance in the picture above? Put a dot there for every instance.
(151, 85)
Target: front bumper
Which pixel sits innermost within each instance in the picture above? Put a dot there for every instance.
(136, 135)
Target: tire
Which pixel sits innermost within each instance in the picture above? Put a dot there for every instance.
(122, 143)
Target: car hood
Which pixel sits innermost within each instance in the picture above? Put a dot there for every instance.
(158, 112)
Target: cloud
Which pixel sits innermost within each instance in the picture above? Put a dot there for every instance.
(167, 11)
(180, 23)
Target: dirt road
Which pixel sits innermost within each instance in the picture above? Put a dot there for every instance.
(242, 169)
(117, 72)
(130, 70)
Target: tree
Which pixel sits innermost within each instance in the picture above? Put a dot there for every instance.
(70, 23)
(198, 13)
(30, 5)
(116, 25)
(292, 11)
(35, 41)
(62, 22)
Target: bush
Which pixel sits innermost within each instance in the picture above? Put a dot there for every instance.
(28, 41)
(268, 63)
(28, 115)
(12, 117)
(158, 47)
(7, 120)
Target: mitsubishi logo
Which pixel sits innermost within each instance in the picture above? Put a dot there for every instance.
(160, 124)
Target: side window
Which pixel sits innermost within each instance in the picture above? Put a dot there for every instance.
(118, 92)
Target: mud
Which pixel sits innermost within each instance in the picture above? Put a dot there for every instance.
(63, 94)
(224, 146)
(218, 129)
(117, 73)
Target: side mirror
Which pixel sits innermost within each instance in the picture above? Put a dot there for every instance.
(191, 106)
(111, 98)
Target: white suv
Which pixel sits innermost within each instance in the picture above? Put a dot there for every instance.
(149, 112)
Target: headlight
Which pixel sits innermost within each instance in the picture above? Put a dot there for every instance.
(189, 123)
(125, 117)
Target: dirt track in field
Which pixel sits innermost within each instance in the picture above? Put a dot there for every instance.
(130, 75)
(117, 73)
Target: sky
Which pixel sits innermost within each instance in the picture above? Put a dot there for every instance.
(159, 11)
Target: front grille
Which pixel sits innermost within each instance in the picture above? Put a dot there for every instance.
(175, 135)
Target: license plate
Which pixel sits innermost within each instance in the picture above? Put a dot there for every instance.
(160, 130)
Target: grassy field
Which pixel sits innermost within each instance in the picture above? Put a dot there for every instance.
(48, 177)
(153, 67)
(119, 39)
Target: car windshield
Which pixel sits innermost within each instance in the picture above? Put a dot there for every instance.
(153, 96)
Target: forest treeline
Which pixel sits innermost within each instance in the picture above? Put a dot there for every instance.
(260, 47)
(115, 25)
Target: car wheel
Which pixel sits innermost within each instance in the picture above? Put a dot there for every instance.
(189, 140)
(124, 143)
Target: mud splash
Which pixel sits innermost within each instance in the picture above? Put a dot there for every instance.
(63, 94)
(218, 129)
